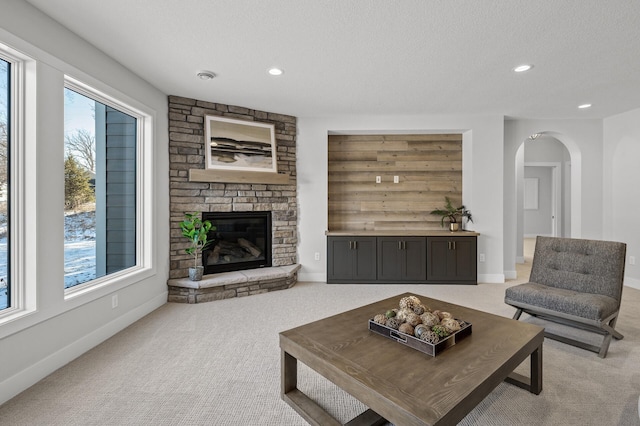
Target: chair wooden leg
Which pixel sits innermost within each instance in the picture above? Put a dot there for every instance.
(610, 328)
(610, 332)
(604, 348)
(517, 314)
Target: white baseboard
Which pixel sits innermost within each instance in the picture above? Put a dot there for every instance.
(510, 275)
(312, 276)
(632, 282)
(491, 278)
(41, 369)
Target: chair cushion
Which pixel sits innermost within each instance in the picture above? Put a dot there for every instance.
(584, 305)
(587, 266)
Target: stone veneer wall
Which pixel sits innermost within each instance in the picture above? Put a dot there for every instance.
(186, 151)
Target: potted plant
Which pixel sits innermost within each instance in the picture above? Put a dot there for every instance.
(196, 230)
(453, 214)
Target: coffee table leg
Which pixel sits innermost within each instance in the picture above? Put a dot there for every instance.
(289, 371)
(536, 371)
(533, 383)
(305, 406)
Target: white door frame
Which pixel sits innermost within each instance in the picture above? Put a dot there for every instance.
(556, 194)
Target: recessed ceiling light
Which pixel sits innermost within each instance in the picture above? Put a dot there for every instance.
(205, 75)
(523, 68)
(583, 106)
(275, 71)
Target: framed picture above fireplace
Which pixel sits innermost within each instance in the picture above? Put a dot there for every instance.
(232, 144)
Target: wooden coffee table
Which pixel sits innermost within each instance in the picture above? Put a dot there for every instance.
(400, 384)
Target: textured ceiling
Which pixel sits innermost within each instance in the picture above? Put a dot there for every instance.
(376, 56)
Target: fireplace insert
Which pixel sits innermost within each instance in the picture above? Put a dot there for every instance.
(239, 240)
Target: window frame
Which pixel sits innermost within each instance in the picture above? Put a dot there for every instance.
(21, 244)
(144, 236)
(42, 77)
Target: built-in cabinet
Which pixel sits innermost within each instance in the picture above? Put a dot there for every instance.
(452, 259)
(401, 259)
(351, 259)
(440, 259)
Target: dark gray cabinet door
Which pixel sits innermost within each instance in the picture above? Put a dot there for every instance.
(351, 259)
(402, 259)
(452, 259)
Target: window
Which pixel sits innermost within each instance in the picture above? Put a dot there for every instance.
(100, 163)
(5, 188)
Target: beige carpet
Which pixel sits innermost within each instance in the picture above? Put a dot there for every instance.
(218, 363)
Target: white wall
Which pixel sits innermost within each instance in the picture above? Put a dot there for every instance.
(482, 181)
(59, 330)
(621, 220)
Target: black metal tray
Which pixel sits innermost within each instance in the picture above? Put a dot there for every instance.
(417, 344)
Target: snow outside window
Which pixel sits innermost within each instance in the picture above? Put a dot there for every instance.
(5, 279)
(100, 188)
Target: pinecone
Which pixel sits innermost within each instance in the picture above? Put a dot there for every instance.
(430, 337)
(409, 302)
(430, 319)
(380, 319)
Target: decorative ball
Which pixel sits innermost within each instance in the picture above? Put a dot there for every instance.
(430, 337)
(430, 319)
(390, 313)
(380, 319)
(409, 302)
(419, 329)
(440, 330)
(419, 309)
(450, 324)
(393, 323)
(413, 319)
(406, 328)
(403, 313)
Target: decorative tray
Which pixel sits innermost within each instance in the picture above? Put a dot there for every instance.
(428, 348)
(415, 325)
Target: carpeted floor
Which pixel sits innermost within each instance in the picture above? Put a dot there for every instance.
(218, 363)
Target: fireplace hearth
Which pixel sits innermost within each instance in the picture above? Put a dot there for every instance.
(241, 240)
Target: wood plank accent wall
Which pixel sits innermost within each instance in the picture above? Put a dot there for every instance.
(428, 166)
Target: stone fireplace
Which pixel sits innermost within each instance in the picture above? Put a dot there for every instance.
(223, 196)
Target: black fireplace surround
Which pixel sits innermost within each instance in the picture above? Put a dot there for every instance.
(239, 240)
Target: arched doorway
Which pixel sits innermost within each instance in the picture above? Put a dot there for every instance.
(548, 193)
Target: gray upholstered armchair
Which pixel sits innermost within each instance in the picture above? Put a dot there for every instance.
(575, 282)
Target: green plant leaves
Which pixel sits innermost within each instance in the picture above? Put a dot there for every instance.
(196, 230)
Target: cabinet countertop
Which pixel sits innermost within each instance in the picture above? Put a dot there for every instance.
(402, 233)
